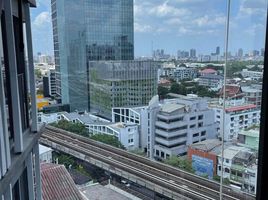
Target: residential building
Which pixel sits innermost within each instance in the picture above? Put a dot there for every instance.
(249, 138)
(203, 156)
(255, 75)
(183, 72)
(235, 119)
(167, 70)
(208, 71)
(57, 183)
(137, 115)
(45, 154)
(240, 167)
(49, 84)
(212, 81)
(127, 133)
(177, 123)
(117, 84)
(81, 34)
(252, 95)
(19, 133)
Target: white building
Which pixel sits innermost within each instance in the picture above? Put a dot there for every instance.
(45, 154)
(239, 166)
(235, 119)
(177, 123)
(214, 82)
(252, 74)
(252, 95)
(181, 73)
(127, 133)
(137, 115)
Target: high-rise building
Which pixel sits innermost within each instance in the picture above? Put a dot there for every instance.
(19, 153)
(86, 30)
(218, 51)
(192, 53)
(240, 53)
(121, 83)
(262, 52)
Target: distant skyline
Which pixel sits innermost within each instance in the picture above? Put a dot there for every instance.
(177, 25)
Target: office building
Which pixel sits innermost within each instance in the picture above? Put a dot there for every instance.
(87, 30)
(19, 152)
(177, 123)
(192, 53)
(121, 83)
(49, 84)
(218, 51)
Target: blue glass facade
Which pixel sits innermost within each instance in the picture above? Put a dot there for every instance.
(86, 30)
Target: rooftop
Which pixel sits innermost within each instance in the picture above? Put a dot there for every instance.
(231, 152)
(171, 107)
(251, 133)
(208, 71)
(57, 183)
(240, 108)
(211, 145)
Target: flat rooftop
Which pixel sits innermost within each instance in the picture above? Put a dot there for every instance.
(99, 192)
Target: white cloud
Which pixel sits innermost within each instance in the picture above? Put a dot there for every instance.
(252, 7)
(165, 10)
(142, 28)
(42, 19)
(210, 20)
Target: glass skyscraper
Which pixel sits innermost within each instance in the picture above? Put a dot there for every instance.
(87, 30)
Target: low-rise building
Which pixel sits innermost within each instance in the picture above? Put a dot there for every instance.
(203, 156)
(127, 133)
(252, 95)
(235, 119)
(249, 138)
(208, 71)
(183, 72)
(214, 82)
(239, 166)
(255, 75)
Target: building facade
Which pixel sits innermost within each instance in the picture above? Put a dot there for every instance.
(212, 81)
(181, 73)
(19, 152)
(87, 30)
(176, 123)
(118, 84)
(49, 84)
(237, 118)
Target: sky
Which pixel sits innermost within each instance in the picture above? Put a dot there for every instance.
(177, 25)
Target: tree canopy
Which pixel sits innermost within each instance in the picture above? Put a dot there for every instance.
(108, 139)
(180, 163)
(77, 128)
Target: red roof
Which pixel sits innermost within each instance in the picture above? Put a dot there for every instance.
(231, 90)
(240, 108)
(57, 183)
(208, 71)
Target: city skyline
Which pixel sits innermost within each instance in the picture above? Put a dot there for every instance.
(183, 25)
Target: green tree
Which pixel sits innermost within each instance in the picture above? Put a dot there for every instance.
(38, 73)
(77, 128)
(177, 88)
(162, 92)
(108, 139)
(180, 163)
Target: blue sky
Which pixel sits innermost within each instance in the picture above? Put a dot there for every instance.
(177, 24)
